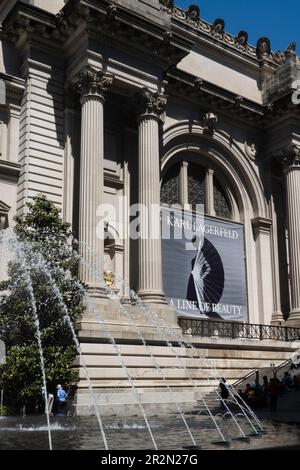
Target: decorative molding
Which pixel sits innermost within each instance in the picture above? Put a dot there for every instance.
(4, 208)
(9, 170)
(251, 150)
(210, 96)
(209, 123)
(26, 24)
(261, 225)
(217, 32)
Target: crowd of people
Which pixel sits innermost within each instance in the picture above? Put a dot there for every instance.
(266, 394)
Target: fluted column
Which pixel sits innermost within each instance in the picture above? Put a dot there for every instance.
(292, 170)
(92, 86)
(150, 256)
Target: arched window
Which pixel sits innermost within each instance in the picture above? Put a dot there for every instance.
(196, 185)
(222, 208)
(170, 187)
(191, 184)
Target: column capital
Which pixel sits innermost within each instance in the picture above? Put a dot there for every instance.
(151, 103)
(92, 82)
(291, 157)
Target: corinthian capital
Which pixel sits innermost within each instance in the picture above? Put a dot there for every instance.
(152, 102)
(93, 82)
(291, 156)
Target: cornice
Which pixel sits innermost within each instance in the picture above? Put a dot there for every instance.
(190, 21)
(14, 87)
(103, 20)
(181, 83)
(116, 25)
(29, 25)
(9, 169)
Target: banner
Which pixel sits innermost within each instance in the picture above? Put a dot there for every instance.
(204, 266)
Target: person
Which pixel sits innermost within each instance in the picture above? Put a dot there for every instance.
(224, 394)
(287, 380)
(273, 393)
(265, 390)
(62, 397)
(50, 400)
(249, 394)
(296, 382)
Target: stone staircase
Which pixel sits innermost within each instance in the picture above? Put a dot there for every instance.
(161, 375)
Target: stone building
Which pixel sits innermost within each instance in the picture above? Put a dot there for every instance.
(126, 102)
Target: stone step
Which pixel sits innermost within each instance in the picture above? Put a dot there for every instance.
(152, 373)
(164, 362)
(142, 383)
(212, 353)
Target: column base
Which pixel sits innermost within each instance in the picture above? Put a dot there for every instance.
(152, 297)
(97, 291)
(166, 312)
(294, 319)
(277, 318)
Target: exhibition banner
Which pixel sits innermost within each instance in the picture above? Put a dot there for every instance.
(204, 266)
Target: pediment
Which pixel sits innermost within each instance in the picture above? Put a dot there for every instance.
(4, 208)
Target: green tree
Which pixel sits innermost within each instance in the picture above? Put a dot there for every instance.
(43, 252)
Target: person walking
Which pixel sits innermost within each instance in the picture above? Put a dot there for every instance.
(62, 397)
(273, 394)
(224, 394)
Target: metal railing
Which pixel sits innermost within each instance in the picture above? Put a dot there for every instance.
(235, 330)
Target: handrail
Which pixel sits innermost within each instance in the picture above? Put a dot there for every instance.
(237, 330)
(281, 366)
(243, 379)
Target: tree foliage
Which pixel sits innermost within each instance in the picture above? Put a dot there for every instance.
(46, 262)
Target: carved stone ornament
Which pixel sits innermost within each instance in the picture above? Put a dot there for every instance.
(93, 82)
(169, 4)
(241, 40)
(290, 52)
(209, 123)
(152, 102)
(108, 278)
(263, 49)
(218, 28)
(193, 13)
(291, 156)
(279, 57)
(198, 84)
(251, 150)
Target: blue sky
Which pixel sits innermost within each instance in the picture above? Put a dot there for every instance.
(277, 19)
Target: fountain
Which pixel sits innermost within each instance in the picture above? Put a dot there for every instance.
(184, 428)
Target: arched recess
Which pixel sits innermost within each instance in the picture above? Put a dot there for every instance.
(186, 141)
(113, 257)
(4, 210)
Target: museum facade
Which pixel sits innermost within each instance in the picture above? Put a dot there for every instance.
(118, 103)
